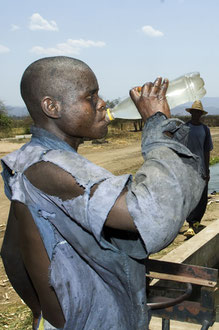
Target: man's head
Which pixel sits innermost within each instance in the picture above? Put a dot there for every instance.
(61, 94)
(196, 110)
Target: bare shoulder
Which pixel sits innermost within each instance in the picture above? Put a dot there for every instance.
(53, 180)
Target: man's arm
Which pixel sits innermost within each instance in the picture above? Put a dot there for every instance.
(14, 266)
(55, 181)
(27, 265)
(208, 146)
(207, 161)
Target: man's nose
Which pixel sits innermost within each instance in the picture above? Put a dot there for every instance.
(101, 105)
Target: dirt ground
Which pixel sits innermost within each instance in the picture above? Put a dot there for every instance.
(118, 156)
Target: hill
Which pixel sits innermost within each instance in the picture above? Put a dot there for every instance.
(14, 111)
(210, 104)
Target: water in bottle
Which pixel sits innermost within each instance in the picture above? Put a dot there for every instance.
(189, 87)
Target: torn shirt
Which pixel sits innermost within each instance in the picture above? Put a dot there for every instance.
(100, 283)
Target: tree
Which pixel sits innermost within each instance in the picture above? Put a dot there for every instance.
(5, 121)
(112, 104)
(2, 108)
(138, 125)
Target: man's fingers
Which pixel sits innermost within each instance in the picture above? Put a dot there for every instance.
(135, 93)
(156, 87)
(163, 89)
(146, 89)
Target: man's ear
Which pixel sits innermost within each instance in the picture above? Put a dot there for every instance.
(51, 107)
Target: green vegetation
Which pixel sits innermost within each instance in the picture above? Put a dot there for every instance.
(214, 160)
(5, 121)
(211, 121)
(11, 126)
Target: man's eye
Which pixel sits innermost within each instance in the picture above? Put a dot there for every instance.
(93, 98)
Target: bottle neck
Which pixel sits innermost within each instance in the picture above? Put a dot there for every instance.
(109, 115)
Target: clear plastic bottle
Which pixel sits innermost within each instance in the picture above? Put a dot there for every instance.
(189, 87)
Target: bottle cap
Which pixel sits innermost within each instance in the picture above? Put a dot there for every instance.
(109, 114)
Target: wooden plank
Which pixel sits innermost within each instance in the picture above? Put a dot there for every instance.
(182, 270)
(182, 279)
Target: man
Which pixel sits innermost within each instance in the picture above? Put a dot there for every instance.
(77, 236)
(200, 143)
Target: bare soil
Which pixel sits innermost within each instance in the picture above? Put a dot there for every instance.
(121, 155)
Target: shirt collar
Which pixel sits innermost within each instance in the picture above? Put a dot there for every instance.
(47, 139)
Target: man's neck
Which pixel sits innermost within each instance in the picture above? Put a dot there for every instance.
(74, 142)
(195, 122)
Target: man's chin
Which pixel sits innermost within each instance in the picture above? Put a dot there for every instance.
(101, 134)
(98, 135)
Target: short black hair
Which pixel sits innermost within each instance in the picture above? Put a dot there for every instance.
(50, 76)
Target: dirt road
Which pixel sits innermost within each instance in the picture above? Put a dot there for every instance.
(120, 160)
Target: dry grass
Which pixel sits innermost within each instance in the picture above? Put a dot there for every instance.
(215, 152)
(15, 317)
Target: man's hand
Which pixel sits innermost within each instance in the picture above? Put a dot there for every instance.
(151, 98)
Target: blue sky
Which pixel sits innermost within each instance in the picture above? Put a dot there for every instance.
(126, 43)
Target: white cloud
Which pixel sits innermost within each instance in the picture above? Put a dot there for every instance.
(151, 32)
(37, 22)
(14, 27)
(4, 49)
(70, 47)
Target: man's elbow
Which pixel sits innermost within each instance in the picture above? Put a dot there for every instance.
(4, 253)
(7, 259)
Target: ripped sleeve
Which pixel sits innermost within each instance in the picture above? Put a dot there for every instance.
(168, 185)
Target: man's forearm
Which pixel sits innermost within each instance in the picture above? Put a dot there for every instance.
(207, 161)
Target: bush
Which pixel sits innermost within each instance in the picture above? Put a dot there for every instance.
(214, 160)
(5, 122)
(27, 130)
(209, 120)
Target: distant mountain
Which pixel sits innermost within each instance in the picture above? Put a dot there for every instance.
(210, 104)
(14, 111)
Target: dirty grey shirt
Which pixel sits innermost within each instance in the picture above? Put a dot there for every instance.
(99, 275)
